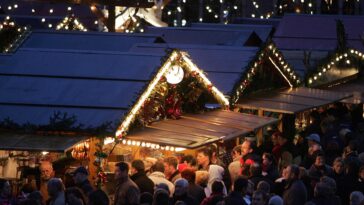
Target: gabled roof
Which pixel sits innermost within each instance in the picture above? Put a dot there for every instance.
(95, 41)
(263, 31)
(317, 32)
(96, 87)
(202, 36)
(223, 64)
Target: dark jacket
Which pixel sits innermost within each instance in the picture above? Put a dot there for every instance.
(126, 192)
(316, 173)
(295, 193)
(197, 192)
(86, 187)
(334, 200)
(144, 183)
(187, 199)
(213, 199)
(235, 198)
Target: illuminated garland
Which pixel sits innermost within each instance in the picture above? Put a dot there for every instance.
(11, 35)
(70, 22)
(175, 56)
(268, 52)
(134, 24)
(334, 60)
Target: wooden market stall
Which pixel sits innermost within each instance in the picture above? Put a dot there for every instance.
(291, 104)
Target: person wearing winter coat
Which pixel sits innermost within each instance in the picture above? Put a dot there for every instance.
(216, 173)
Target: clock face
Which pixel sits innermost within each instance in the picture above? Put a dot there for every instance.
(175, 74)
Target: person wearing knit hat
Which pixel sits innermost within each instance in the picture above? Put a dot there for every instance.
(181, 192)
(275, 200)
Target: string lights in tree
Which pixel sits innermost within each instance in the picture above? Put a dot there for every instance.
(345, 58)
(268, 53)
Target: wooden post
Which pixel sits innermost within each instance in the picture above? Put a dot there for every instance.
(289, 127)
(280, 123)
(111, 19)
(260, 130)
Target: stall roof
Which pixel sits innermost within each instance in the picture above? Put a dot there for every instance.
(317, 32)
(96, 87)
(291, 100)
(95, 41)
(204, 36)
(54, 143)
(263, 31)
(196, 130)
(223, 64)
(355, 87)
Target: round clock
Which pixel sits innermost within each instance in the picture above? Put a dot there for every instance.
(174, 75)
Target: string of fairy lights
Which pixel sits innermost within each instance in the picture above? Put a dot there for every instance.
(17, 37)
(278, 62)
(338, 58)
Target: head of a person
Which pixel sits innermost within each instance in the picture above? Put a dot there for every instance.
(203, 157)
(163, 186)
(202, 178)
(267, 159)
(264, 187)
(137, 166)
(319, 159)
(46, 170)
(189, 174)
(121, 170)
(282, 139)
(330, 182)
(255, 170)
(259, 198)
(356, 197)
(247, 147)
(189, 160)
(217, 187)
(180, 187)
(80, 175)
(157, 167)
(275, 200)
(161, 197)
(338, 165)
(98, 197)
(55, 186)
(241, 185)
(274, 137)
(170, 165)
(74, 195)
(292, 172)
(313, 139)
(5, 189)
(236, 152)
(322, 190)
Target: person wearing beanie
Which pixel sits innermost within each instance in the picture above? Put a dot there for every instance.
(181, 192)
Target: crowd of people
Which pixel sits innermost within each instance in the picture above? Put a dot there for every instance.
(322, 165)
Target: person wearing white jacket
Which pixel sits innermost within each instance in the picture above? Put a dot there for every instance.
(158, 177)
(216, 173)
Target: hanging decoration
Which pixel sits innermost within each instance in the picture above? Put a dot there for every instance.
(268, 54)
(80, 151)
